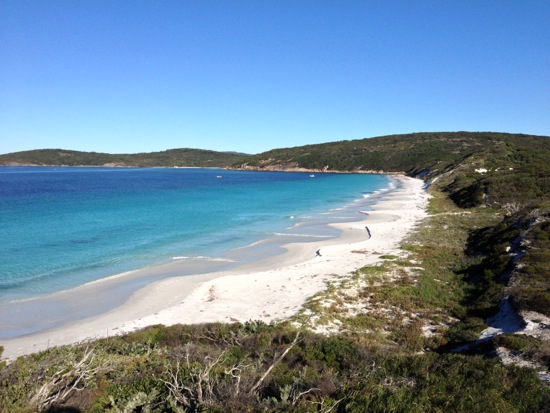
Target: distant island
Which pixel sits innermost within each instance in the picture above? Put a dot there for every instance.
(458, 320)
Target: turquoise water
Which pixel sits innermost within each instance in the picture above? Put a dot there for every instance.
(63, 227)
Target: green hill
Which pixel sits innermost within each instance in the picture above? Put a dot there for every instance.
(169, 158)
(517, 165)
(404, 153)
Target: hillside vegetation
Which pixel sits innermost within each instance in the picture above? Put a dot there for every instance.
(169, 158)
(514, 160)
(405, 333)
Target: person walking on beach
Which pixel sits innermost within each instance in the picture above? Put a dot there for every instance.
(318, 253)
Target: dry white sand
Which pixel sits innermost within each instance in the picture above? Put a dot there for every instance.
(271, 289)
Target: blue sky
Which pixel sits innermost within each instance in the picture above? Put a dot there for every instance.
(249, 76)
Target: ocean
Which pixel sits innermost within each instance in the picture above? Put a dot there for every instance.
(66, 226)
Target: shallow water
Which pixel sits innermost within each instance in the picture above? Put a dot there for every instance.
(63, 227)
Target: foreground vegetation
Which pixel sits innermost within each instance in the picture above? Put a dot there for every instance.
(401, 336)
(259, 367)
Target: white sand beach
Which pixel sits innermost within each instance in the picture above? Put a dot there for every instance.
(271, 289)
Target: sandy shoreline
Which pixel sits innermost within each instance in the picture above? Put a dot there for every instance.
(270, 289)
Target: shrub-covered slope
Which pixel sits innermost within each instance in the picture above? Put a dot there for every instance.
(502, 167)
(260, 368)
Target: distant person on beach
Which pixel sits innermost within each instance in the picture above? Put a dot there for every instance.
(318, 253)
(368, 231)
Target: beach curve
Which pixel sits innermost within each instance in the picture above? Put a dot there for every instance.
(273, 288)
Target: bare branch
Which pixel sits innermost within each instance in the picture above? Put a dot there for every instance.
(329, 408)
(297, 396)
(65, 382)
(275, 363)
(201, 391)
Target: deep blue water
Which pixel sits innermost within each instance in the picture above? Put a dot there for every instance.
(62, 227)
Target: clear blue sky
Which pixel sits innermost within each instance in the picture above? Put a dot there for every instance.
(139, 76)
